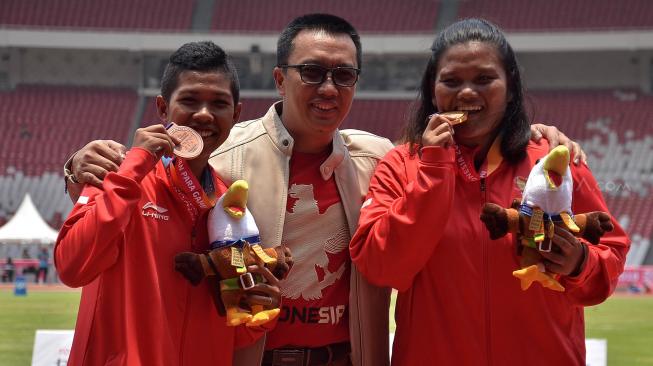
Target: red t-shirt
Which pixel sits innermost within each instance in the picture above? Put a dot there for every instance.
(314, 312)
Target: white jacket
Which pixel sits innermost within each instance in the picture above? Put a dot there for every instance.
(259, 151)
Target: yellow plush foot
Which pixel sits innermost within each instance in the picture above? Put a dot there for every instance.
(551, 283)
(263, 317)
(526, 276)
(235, 317)
(533, 273)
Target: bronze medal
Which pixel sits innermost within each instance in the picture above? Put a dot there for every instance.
(191, 143)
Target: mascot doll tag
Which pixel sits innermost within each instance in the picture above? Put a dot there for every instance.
(235, 244)
(546, 202)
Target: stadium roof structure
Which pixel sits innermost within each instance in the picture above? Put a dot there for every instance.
(374, 43)
(27, 226)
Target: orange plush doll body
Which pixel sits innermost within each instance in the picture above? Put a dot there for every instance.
(235, 245)
(546, 203)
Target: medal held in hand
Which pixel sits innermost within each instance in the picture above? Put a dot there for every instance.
(191, 143)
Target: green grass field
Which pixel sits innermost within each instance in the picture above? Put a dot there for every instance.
(625, 321)
(20, 317)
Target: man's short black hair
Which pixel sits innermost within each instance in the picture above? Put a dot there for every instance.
(328, 23)
(198, 56)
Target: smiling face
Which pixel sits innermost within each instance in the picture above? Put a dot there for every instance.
(204, 102)
(471, 77)
(312, 113)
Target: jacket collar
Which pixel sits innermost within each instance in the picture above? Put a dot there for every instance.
(282, 139)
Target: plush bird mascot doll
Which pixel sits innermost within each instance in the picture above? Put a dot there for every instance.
(235, 244)
(546, 202)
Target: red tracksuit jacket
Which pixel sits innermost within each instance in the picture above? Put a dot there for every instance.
(458, 303)
(135, 308)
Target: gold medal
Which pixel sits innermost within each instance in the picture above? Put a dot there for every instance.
(455, 117)
(191, 143)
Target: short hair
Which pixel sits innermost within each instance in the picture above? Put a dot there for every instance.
(515, 123)
(327, 23)
(203, 56)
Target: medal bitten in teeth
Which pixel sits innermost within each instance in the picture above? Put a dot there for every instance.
(191, 143)
(455, 117)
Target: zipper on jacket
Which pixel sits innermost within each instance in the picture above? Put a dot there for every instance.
(483, 190)
(486, 270)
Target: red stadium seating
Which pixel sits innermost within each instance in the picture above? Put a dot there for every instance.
(538, 15)
(571, 110)
(54, 121)
(46, 124)
(613, 128)
(173, 15)
(365, 15)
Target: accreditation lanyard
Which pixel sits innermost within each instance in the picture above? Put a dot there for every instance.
(196, 197)
(490, 163)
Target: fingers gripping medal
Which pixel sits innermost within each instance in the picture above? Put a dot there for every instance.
(191, 144)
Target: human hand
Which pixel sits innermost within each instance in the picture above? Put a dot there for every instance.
(567, 255)
(284, 262)
(555, 138)
(438, 132)
(266, 294)
(597, 223)
(156, 140)
(92, 163)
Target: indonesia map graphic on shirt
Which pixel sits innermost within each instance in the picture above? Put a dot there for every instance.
(315, 293)
(312, 244)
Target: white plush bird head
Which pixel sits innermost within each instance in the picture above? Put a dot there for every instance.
(550, 185)
(230, 220)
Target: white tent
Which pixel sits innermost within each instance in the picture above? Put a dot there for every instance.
(27, 226)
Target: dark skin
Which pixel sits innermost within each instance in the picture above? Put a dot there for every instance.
(567, 254)
(263, 293)
(202, 101)
(97, 158)
(471, 76)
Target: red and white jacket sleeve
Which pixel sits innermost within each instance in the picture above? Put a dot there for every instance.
(90, 238)
(404, 215)
(605, 261)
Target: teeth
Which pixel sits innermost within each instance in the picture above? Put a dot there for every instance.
(205, 133)
(469, 108)
(324, 107)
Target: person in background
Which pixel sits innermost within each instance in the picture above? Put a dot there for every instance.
(44, 264)
(420, 231)
(8, 270)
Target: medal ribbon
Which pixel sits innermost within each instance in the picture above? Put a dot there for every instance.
(189, 189)
(490, 164)
(466, 170)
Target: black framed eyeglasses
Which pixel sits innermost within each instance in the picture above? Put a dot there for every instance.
(316, 74)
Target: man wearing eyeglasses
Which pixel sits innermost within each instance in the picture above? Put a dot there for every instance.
(307, 182)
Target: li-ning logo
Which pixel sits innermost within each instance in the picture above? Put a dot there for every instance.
(154, 211)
